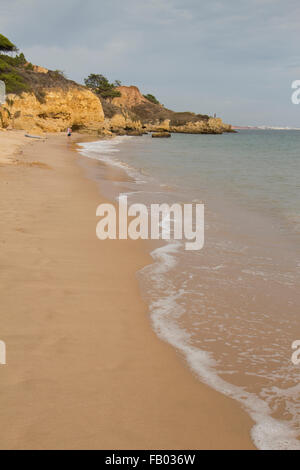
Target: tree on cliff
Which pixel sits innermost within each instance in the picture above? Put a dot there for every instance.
(10, 67)
(101, 86)
(6, 45)
(151, 98)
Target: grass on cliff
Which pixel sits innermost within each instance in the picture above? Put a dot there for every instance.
(151, 112)
(10, 75)
(102, 87)
(19, 76)
(6, 45)
(151, 98)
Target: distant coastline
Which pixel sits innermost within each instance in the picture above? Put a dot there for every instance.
(265, 128)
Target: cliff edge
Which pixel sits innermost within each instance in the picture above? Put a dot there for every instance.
(39, 100)
(141, 113)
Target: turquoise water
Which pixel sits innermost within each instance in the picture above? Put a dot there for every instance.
(260, 169)
(232, 309)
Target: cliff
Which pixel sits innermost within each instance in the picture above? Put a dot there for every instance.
(130, 97)
(59, 109)
(147, 116)
(40, 100)
(53, 106)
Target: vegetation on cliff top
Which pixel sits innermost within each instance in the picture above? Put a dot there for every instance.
(6, 45)
(10, 75)
(101, 86)
(19, 75)
(151, 98)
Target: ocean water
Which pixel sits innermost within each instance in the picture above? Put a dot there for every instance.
(232, 309)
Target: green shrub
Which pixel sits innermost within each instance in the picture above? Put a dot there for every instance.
(14, 83)
(18, 61)
(151, 98)
(59, 74)
(6, 45)
(11, 75)
(4, 66)
(101, 86)
(29, 67)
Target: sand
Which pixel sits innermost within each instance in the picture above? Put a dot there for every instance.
(84, 368)
(11, 144)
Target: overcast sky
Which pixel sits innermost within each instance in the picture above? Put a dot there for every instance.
(236, 58)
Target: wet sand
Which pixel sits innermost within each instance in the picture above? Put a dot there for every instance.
(84, 368)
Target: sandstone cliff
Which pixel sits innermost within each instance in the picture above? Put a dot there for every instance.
(40, 100)
(59, 109)
(209, 126)
(51, 103)
(153, 117)
(130, 97)
(56, 108)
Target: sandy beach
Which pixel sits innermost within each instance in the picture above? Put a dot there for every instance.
(11, 144)
(84, 368)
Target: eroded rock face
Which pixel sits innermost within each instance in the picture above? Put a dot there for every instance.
(122, 123)
(130, 97)
(59, 109)
(38, 68)
(161, 134)
(211, 126)
(156, 118)
(75, 106)
(163, 126)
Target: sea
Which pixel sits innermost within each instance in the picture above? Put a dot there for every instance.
(232, 309)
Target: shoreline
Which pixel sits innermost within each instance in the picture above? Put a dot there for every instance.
(85, 369)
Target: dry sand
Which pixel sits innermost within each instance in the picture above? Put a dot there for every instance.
(10, 145)
(84, 368)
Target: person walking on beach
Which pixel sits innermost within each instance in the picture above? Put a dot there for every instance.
(69, 131)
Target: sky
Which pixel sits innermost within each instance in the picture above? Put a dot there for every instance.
(235, 58)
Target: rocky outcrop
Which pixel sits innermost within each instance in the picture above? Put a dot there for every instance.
(51, 103)
(130, 97)
(154, 117)
(210, 126)
(161, 134)
(76, 107)
(122, 123)
(41, 100)
(37, 68)
(157, 126)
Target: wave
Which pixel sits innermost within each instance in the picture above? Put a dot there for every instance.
(166, 309)
(105, 150)
(268, 433)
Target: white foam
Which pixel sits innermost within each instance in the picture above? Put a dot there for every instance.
(164, 260)
(105, 150)
(268, 433)
(165, 309)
